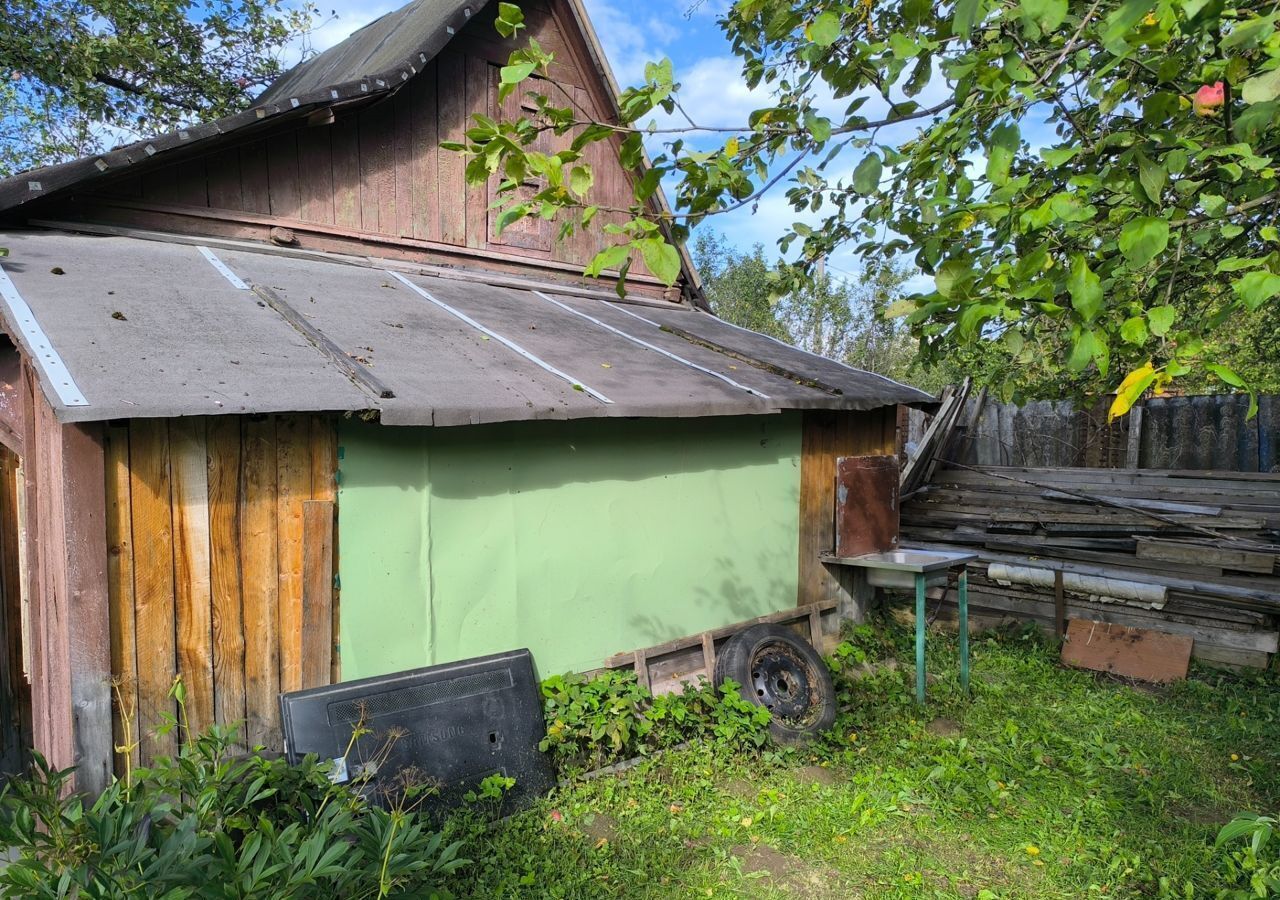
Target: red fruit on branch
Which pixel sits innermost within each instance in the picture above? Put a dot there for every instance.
(1208, 99)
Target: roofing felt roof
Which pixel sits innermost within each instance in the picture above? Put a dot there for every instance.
(375, 60)
(149, 328)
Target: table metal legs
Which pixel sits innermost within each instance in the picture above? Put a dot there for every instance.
(964, 629)
(920, 638)
(963, 590)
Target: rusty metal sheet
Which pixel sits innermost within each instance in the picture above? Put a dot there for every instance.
(866, 504)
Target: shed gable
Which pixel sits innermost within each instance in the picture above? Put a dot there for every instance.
(372, 172)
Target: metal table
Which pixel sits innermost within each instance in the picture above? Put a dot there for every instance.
(923, 569)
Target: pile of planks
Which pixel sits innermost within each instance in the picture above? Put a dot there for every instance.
(1185, 552)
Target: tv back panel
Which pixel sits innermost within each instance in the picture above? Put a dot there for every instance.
(450, 725)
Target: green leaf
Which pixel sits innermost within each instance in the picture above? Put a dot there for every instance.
(510, 19)
(510, 216)
(1134, 330)
(1256, 288)
(1121, 22)
(866, 177)
(1152, 177)
(967, 14)
(1143, 239)
(608, 258)
(580, 180)
(1160, 319)
(1000, 152)
(1084, 348)
(1042, 16)
(662, 259)
(1085, 289)
(1056, 156)
(516, 73)
(1261, 88)
(1226, 374)
(952, 275)
(819, 127)
(824, 30)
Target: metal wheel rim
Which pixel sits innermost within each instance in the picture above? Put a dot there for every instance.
(784, 683)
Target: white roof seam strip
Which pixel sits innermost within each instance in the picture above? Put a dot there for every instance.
(620, 309)
(39, 344)
(667, 353)
(223, 270)
(506, 342)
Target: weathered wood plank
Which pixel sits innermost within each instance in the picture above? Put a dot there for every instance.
(377, 168)
(88, 623)
(317, 592)
(254, 180)
(315, 175)
(293, 472)
(344, 139)
(224, 442)
(188, 460)
(1124, 650)
(451, 69)
(260, 580)
(124, 660)
(150, 495)
(282, 175)
(425, 207)
(324, 486)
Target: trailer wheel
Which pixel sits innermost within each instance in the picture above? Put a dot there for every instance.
(779, 670)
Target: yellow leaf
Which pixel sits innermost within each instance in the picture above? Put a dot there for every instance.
(1133, 386)
(746, 822)
(731, 146)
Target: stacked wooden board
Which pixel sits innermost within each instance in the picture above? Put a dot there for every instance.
(1207, 541)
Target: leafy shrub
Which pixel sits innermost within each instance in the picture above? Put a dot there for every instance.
(595, 721)
(209, 824)
(1254, 868)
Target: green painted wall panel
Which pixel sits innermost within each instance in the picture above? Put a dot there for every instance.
(575, 539)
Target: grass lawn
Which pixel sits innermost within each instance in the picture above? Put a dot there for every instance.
(1047, 782)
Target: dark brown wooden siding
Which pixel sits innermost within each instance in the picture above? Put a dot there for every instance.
(377, 170)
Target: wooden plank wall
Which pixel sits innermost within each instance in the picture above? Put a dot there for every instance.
(378, 170)
(826, 436)
(220, 544)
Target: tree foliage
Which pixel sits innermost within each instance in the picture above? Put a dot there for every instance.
(838, 317)
(1092, 184)
(82, 75)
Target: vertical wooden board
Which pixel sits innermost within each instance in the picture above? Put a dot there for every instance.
(124, 660)
(344, 141)
(260, 580)
(192, 187)
(149, 492)
(88, 606)
(29, 548)
(254, 182)
(188, 456)
(451, 103)
(317, 592)
(11, 614)
(817, 499)
(1128, 651)
(377, 168)
(224, 569)
(481, 100)
(293, 473)
(282, 175)
(866, 504)
(160, 185)
(425, 202)
(315, 175)
(402, 169)
(324, 486)
(223, 169)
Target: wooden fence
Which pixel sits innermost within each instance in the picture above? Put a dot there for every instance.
(220, 541)
(1210, 432)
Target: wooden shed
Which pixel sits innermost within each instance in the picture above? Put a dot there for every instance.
(279, 407)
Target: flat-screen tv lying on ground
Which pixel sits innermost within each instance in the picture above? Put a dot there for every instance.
(447, 727)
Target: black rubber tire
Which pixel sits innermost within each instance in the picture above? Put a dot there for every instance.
(776, 668)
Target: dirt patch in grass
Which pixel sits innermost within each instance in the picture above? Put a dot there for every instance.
(792, 875)
(947, 728)
(740, 788)
(600, 827)
(822, 775)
